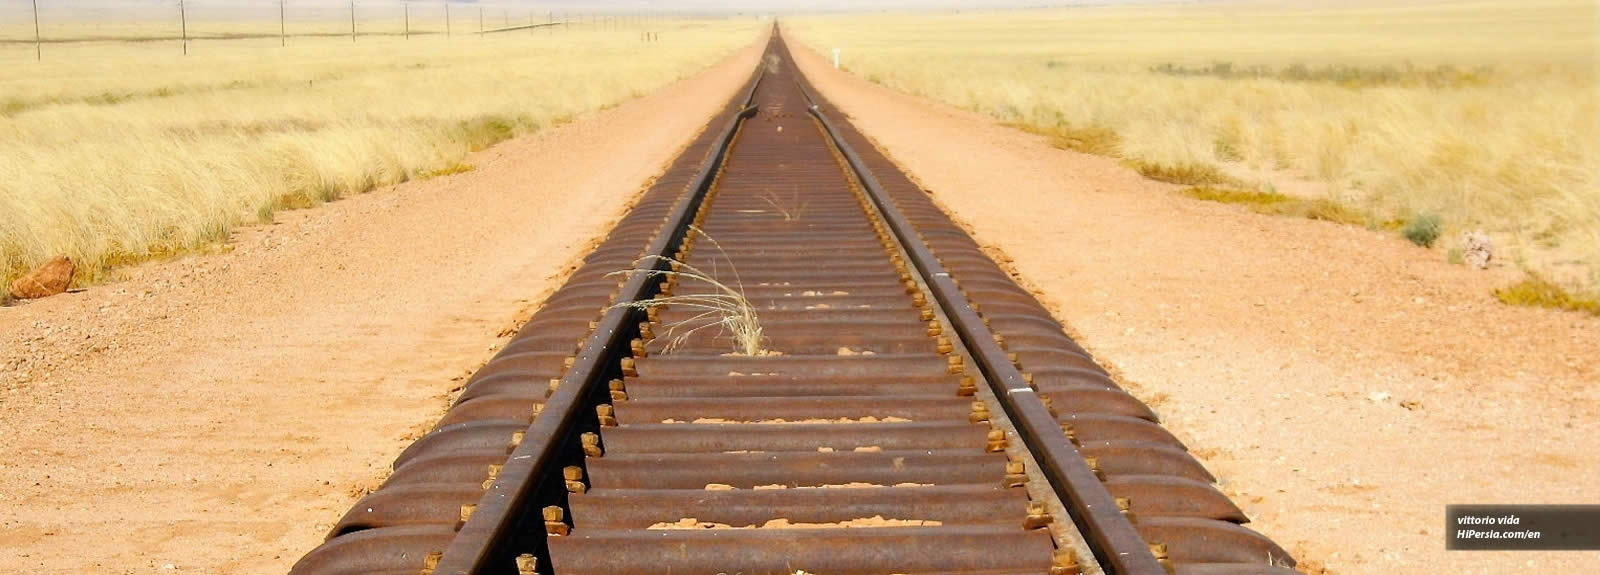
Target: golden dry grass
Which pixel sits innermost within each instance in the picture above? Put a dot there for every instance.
(1536, 291)
(1270, 202)
(114, 152)
(1484, 113)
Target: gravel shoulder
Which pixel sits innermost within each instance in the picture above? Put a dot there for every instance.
(1343, 384)
(217, 413)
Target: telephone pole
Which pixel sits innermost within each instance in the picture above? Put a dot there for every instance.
(352, 21)
(283, 29)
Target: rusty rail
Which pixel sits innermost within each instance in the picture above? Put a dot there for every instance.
(867, 429)
(473, 547)
(1116, 544)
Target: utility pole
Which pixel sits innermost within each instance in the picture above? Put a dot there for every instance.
(408, 19)
(352, 21)
(183, 20)
(480, 21)
(447, 19)
(283, 28)
(38, 48)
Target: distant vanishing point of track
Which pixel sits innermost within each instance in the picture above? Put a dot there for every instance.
(910, 409)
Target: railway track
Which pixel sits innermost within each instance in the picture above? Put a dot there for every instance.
(787, 359)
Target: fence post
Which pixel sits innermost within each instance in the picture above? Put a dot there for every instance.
(38, 48)
(183, 21)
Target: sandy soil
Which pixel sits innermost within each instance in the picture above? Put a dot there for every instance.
(1344, 384)
(217, 413)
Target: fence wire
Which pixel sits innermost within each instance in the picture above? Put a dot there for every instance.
(64, 21)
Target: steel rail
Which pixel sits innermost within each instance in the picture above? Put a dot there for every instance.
(872, 269)
(1115, 542)
(479, 539)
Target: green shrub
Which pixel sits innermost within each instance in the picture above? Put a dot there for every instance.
(1422, 230)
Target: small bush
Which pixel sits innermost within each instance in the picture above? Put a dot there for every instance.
(1536, 291)
(1422, 230)
(1184, 173)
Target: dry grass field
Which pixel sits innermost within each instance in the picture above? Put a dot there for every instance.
(113, 152)
(1475, 115)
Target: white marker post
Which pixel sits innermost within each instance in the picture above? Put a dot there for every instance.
(835, 58)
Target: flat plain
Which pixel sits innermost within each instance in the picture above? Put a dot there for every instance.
(1464, 115)
(119, 151)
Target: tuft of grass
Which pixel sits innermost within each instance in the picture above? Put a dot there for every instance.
(450, 170)
(792, 208)
(1274, 203)
(1422, 230)
(1326, 210)
(728, 311)
(1182, 173)
(485, 131)
(1092, 139)
(1536, 291)
(1250, 198)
